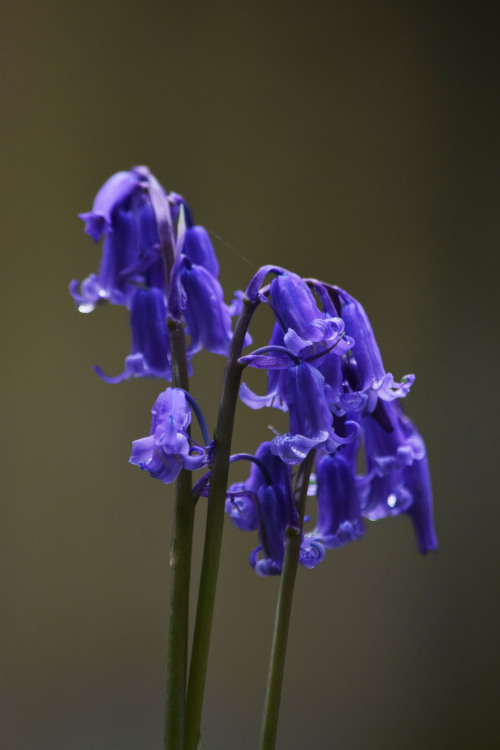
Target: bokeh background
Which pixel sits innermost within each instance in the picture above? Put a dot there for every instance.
(353, 141)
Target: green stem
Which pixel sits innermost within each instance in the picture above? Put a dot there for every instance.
(283, 612)
(180, 570)
(213, 532)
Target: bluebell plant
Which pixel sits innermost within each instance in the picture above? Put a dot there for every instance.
(323, 367)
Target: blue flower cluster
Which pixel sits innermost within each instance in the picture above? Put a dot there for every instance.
(157, 264)
(325, 368)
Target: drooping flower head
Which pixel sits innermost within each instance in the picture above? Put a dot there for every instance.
(325, 368)
(158, 264)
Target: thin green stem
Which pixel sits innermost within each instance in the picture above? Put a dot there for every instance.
(180, 570)
(214, 526)
(283, 612)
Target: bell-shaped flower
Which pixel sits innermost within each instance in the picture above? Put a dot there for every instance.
(206, 314)
(242, 497)
(418, 481)
(265, 502)
(168, 448)
(123, 213)
(397, 479)
(267, 558)
(339, 506)
(310, 421)
(110, 284)
(150, 352)
(366, 368)
(306, 329)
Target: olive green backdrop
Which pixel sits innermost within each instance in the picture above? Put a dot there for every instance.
(352, 141)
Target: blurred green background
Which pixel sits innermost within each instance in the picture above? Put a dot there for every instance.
(352, 141)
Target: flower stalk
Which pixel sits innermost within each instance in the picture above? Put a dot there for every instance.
(180, 570)
(283, 612)
(214, 526)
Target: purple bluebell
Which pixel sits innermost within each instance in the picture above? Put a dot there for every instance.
(206, 314)
(397, 479)
(150, 353)
(370, 370)
(310, 418)
(308, 334)
(110, 284)
(168, 448)
(307, 331)
(364, 369)
(123, 213)
(242, 497)
(339, 504)
(265, 502)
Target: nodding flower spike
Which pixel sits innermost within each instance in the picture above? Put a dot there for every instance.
(158, 264)
(325, 368)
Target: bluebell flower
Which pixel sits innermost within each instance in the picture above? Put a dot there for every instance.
(206, 314)
(339, 504)
(150, 353)
(369, 368)
(397, 479)
(265, 502)
(168, 448)
(123, 213)
(308, 334)
(310, 418)
(110, 284)
(306, 330)
(363, 368)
